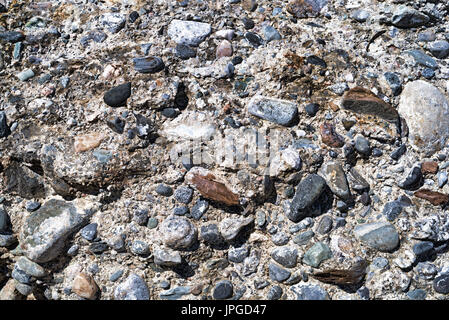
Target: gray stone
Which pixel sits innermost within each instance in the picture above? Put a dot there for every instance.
(406, 17)
(442, 178)
(270, 34)
(417, 294)
(223, 290)
(335, 178)
(25, 75)
(133, 288)
(282, 112)
(381, 236)
(422, 58)
(166, 257)
(5, 222)
(199, 209)
(360, 15)
(231, 227)
(140, 248)
(7, 240)
(275, 293)
(426, 270)
(20, 275)
(178, 232)
(317, 254)
(278, 273)
(362, 145)
(140, 217)
(285, 256)
(309, 292)
(45, 231)
(190, 33)
(426, 111)
(175, 293)
(211, 235)
(439, 49)
(113, 21)
(184, 194)
(325, 225)
(307, 193)
(164, 190)
(303, 238)
(30, 267)
(89, 232)
(394, 82)
(237, 255)
(116, 275)
(4, 129)
(441, 284)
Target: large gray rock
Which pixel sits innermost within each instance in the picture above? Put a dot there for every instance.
(282, 112)
(46, 230)
(406, 17)
(190, 33)
(426, 111)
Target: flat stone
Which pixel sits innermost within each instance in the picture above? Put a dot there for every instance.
(434, 197)
(357, 182)
(175, 293)
(85, 286)
(89, 232)
(307, 193)
(422, 58)
(335, 178)
(140, 248)
(223, 290)
(317, 254)
(306, 291)
(45, 231)
(381, 236)
(224, 49)
(413, 180)
(270, 34)
(406, 17)
(87, 142)
(281, 112)
(363, 101)
(133, 288)
(12, 36)
(429, 167)
(166, 257)
(30, 267)
(178, 232)
(25, 75)
(184, 51)
(113, 21)
(231, 227)
(148, 64)
(199, 209)
(190, 33)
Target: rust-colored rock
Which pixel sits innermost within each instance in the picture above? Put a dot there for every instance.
(88, 141)
(330, 137)
(343, 277)
(85, 286)
(429, 167)
(214, 190)
(363, 101)
(434, 197)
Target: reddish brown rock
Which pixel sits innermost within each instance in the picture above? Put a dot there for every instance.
(434, 197)
(214, 190)
(330, 137)
(363, 101)
(429, 167)
(85, 286)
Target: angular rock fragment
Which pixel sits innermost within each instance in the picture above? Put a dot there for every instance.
(133, 288)
(406, 17)
(336, 179)
(88, 141)
(330, 137)
(434, 197)
(190, 33)
(306, 8)
(363, 101)
(413, 180)
(231, 227)
(282, 112)
(351, 276)
(85, 286)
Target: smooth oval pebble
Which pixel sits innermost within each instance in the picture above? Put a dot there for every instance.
(148, 64)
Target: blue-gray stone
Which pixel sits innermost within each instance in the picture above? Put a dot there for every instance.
(65, 82)
(394, 82)
(423, 250)
(133, 288)
(20, 275)
(211, 235)
(140, 216)
(417, 294)
(148, 64)
(32, 206)
(5, 222)
(325, 225)
(280, 238)
(89, 232)
(381, 236)
(309, 292)
(285, 256)
(426, 270)
(360, 15)
(439, 49)
(113, 21)
(441, 284)
(116, 275)
(31, 268)
(25, 75)
(278, 273)
(152, 223)
(316, 254)
(380, 263)
(73, 250)
(303, 238)
(270, 33)
(392, 210)
(428, 73)
(4, 129)
(181, 211)
(362, 145)
(184, 51)
(442, 178)
(184, 194)
(117, 96)
(18, 46)
(398, 152)
(237, 255)
(7, 240)
(413, 180)
(427, 36)
(164, 190)
(275, 293)
(282, 112)
(12, 36)
(140, 248)
(422, 58)
(223, 290)
(406, 17)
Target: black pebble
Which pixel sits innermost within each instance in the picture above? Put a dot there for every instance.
(248, 23)
(116, 125)
(184, 52)
(312, 109)
(117, 96)
(254, 39)
(133, 16)
(148, 64)
(237, 60)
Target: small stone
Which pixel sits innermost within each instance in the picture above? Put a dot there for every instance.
(175, 293)
(190, 33)
(133, 288)
(398, 152)
(164, 190)
(223, 290)
(224, 49)
(422, 59)
(329, 136)
(140, 217)
(423, 250)
(406, 17)
(254, 39)
(113, 21)
(306, 8)
(148, 64)
(199, 209)
(325, 225)
(381, 236)
(413, 179)
(25, 75)
(98, 247)
(4, 128)
(441, 284)
(32, 206)
(303, 238)
(394, 82)
(183, 194)
(231, 227)
(20, 275)
(248, 23)
(417, 294)
(336, 179)
(285, 256)
(434, 197)
(360, 15)
(277, 273)
(89, 232)
(282, 112)
(426, 270)
(275, 293)
(178, 232)
(442, 178)
(85, 286)
(24, 289)
(237, 255)
(312, 109)
(429, 167)
(439, 49)
(117, 96)
(140, 248)
(166, 257)
(12, 36)
(270, 34)
(31, 268)
(184, 51)
(362, 145)
(116, 275)
(211, 235)
(73, 250)
(152, 223)
(309, 292)
(117, 124)
(316, 254)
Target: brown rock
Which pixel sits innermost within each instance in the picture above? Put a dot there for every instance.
(429, 167)
(224, 49)
(85, 287)
(305, 8)
(249, 5)
(363, 101)
(329, 136)
(88, 141)
(214, 190)
(434, 197)
(343, 277)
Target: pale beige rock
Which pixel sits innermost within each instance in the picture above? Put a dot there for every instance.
(9, 291)
(85, 286)
(224, 49)
(88, 141)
